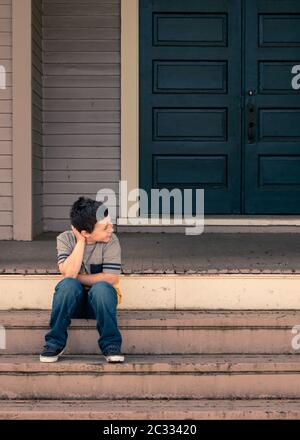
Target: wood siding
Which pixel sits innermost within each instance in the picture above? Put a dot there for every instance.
(37, 117)
(81, 103)
(6, 219)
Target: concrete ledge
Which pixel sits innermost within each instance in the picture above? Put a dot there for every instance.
(220, 220)
(148, 409)
(154, 363)
(163, 332)
(173, 292)
(213, 229)
(152, 376)
(165, 319)
(235, 224)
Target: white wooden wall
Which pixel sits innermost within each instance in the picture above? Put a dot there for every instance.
(6, 121)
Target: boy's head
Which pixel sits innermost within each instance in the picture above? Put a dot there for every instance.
(91, 219)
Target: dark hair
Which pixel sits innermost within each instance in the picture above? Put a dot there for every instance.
(83, 214)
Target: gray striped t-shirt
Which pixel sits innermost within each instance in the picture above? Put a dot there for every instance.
(98, 257)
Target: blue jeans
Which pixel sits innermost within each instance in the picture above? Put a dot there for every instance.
(72, 300)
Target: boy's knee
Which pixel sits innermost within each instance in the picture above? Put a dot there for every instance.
(102, 291)
(68, 286)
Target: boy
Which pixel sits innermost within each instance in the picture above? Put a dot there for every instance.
(89, 258)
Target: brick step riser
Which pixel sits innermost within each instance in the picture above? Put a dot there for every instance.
(159, 341)
(97, 385)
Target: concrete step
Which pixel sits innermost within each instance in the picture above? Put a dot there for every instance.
(152, 376)
(211, 289)
(145, 409)
(165, 331)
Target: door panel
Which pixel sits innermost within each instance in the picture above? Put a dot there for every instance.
(220, 102)
(190, 91)
(272, 159)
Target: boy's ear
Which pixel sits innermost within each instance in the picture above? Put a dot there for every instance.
(85, 233)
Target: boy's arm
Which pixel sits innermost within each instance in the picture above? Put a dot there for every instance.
(111, 265)
(70, 267)
(89, 280)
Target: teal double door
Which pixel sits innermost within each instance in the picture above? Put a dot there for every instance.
(219, 102)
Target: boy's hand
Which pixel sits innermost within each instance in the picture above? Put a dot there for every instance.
(78, 235)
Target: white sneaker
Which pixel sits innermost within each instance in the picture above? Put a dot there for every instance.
(113, 354)
(114, 358)
(51, 354)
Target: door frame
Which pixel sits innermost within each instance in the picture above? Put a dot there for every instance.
(130, 93)
(22, 120)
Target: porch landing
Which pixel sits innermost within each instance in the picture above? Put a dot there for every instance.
(159, 253)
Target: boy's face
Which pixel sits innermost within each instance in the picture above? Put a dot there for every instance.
(102, 231)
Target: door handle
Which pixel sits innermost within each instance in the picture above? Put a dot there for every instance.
(251, 112)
